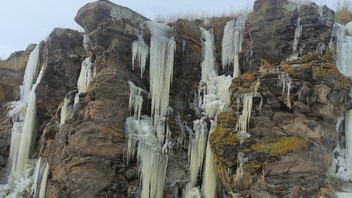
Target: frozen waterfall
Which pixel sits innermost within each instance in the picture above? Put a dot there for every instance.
(147, 137)
(232, 43)
(341, 43)
(343, 49)
(22, 171)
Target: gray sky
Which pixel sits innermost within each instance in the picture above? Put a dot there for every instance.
(29, 21)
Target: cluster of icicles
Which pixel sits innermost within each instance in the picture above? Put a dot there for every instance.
(341, 43)
(26, 177)
(148, 137)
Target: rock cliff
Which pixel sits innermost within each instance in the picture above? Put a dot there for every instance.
(274, 137)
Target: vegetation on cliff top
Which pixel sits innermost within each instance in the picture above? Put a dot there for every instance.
(344, 12)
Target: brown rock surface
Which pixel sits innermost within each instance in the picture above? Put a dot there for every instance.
(11, 74)
(291, 135)
(272, 26)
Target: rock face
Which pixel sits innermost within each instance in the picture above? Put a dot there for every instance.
(87, 150)
(272, 25)
(11, 74)
(292, 136)
(291, 133)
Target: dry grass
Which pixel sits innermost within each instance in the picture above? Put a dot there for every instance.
(192, 16)
(343, 12)
(303, 2)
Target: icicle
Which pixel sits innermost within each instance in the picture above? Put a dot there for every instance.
(36, 177)
(85, 76)
(132, 132)
(14, 146)
(243, 120)
(232, 43)
(196, 150)
(30, 73)
(241, 160)
(152, 166)
(348, 129)
(343, 50)
(320, 48)
(286, 83)
(193, 193)
(44, 182)
(239, 29)
(162, 50)
(208, 54)
(65, 110)
(224, 83)
(209, 185)
(227, 44)
(28, 132)
(85, 42)
(298, 34)
(140, 52)
(136, 99)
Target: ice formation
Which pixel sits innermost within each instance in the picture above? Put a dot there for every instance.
(286, 83)
(151, 157)
(25, 146)
(147, 138)
(342, 163)
(209, 185)
(343, 49)
(232, 43)
(140, 52)
(243, 120)
(228, 46)
(298, 34)
(136, 100)
(85, 42)
(42, 190)
(85, 76)
(162, 49)
(213, 95)
(30, 74)
(21, 179)
(193, 193)
(151, 133)
(65, 110)
(196, 150)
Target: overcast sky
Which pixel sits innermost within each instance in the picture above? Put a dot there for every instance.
(29, 21)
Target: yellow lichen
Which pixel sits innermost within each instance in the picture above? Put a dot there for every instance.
(280, 145)
(250, 76)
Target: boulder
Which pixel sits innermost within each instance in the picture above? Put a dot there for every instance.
(93, 14)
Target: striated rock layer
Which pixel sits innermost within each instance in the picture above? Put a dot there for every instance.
(288, 76)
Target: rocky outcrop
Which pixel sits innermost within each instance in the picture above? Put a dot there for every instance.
(87, 150)
(291, 136)
(11, 74)
(291, 132)
(272, 25)
(62, 55)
